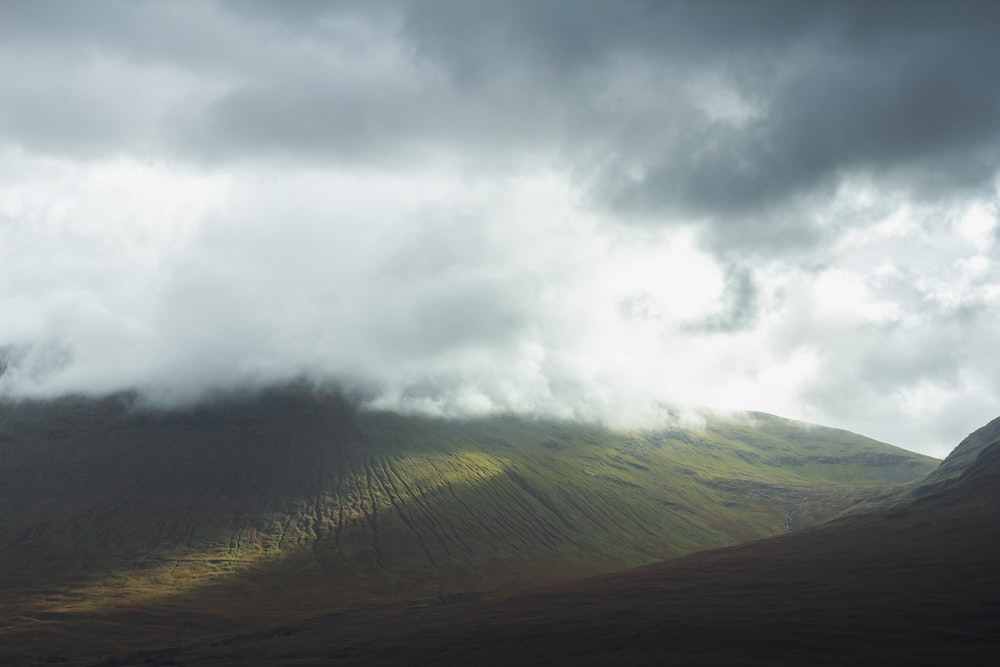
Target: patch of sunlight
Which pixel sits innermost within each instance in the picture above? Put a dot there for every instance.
(254, 542)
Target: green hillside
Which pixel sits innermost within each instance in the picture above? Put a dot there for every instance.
(916, 583)
(106, 503)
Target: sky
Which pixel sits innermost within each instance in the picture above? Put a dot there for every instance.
(578, 208)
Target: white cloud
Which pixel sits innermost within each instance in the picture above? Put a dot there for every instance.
(450, 294)
(978, 225)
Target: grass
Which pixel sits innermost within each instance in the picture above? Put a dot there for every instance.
(219, 509)
(913, 584)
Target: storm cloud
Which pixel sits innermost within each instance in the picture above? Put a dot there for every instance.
(580, 208)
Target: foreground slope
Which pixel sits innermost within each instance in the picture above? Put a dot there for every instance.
(915, 584)
(295, 499)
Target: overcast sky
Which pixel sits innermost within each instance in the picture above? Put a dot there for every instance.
(579, 208)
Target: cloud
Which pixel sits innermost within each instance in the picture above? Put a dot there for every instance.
(739, 304)
(577, 208)
(721, 111)
(502, 292)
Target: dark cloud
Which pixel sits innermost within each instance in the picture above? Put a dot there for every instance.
(909, 92)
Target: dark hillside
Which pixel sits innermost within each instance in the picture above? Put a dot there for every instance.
(916, 584)
(295, 500)
(961, 458)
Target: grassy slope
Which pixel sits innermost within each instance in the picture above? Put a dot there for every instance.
(915, 584)
(912, 584)
(105, 505)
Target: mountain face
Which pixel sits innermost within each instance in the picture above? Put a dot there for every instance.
(234, 504)
(961, 458)
(915, 583)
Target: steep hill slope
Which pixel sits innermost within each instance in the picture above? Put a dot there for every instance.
(960, 459)
(232, 504)
(915, 584)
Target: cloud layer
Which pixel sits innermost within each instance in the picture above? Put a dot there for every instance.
(580, 209)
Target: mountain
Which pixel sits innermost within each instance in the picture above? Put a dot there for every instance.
(294, 499)
(961, 459)
(912, 584)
